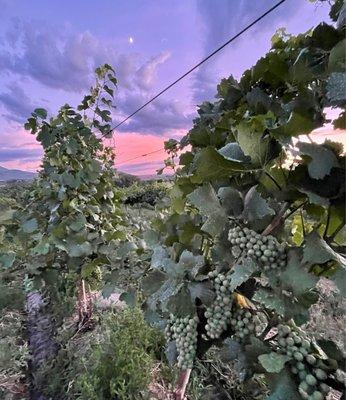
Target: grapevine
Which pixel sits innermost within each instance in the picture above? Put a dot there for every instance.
(256, 218)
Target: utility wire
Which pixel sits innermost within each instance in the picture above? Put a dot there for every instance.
(199, 64)
(142, 155)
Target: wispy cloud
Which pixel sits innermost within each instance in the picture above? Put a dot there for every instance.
(17, 104)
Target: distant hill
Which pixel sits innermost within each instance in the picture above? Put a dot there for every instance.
(124, 180)
(15, 174)
(7, 175)
(155, 177)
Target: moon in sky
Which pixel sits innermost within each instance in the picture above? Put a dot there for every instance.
(130, 39)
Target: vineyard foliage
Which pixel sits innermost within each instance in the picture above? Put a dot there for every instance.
(256, 217)
(72, 213)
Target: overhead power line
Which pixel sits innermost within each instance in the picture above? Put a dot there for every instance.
(142, 155)
(199, 64)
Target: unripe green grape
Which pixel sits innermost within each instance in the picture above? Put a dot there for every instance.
(311, 359)
(324, 388)
(303, 394)
(320, 374)
(317, 395)
(298, 356)
(302, 375)
(300, 366)
(311, 380)
(304, 386)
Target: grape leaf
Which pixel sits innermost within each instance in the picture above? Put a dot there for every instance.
(231, 200)
(322, 159)
(295, 277)
(78, 250)
(282, 386)
(255, 206)
(230, 350)
(233, 152)
(153, 281)
(129, 297)
(30, 225)
(273, 362)
(209, 165)
(242, 273)
(180, 303)
(270, 300)
(7, 259)
(154, 319)
(203, 291)
(296, 125)
(317, 251)
(336, 89)
(249, 137)
(204, 198)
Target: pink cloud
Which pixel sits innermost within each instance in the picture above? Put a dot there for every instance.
(133, 151)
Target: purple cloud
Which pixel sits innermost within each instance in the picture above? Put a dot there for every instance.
(146, 74)
(25, 155)
(17, 104)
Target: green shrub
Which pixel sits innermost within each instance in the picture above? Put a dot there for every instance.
(146, 192)
(119, 365)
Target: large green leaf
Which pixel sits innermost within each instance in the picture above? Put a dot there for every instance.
(297, 124)
(209, 164)
(171, 352)
(206, 200)
(337, 57)
(336, 89)
(282, 386)
(270, 300)
(296, 277)
(153, 281)
(30, 225)
(203, 291)
(242, 272)
(181, 303)
(79, 250)
(317, 251)
(7, 259)
(273, 362)
(129, 297)
(322, 159)
(233, 152)
(251, 141)
(162, 296)
(255, 206)
(231, 200)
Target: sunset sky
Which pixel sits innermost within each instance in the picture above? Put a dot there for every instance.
(49, 49)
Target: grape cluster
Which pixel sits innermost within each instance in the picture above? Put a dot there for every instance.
(264, 249)
(220, 312)
(310, 370)
(184, 332)
(244, 323)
